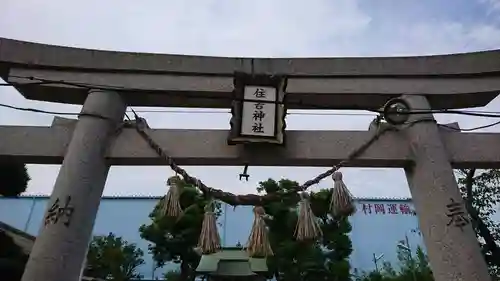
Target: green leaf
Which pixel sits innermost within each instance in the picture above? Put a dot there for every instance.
(111, 256)
(174, 239)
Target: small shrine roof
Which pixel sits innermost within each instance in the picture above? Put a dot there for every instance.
(21, 238)
(231, 262)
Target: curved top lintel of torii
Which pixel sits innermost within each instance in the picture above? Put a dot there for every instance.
(449, 81)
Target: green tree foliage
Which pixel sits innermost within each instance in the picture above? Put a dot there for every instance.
(14, 180)
(172, 275)
(14, 177)
(414, 267)
(326, 259)
(481, 192)
(112, 257)
(174, 239)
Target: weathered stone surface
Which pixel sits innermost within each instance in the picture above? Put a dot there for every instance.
(21, 52)
(449, 81)
(453, 250)
(209, 148)
(60, 247)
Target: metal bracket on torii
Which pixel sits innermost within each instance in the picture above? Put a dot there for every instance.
(245, 175)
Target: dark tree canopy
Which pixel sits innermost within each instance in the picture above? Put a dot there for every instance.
(174, 239)
(12, 258)
(327, 259)
(481, 192)
(14, 177)
(414, 267)
(111, 256)
(14, 180)
(172, 275)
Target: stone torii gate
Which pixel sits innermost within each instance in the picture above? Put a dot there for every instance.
(86, 148)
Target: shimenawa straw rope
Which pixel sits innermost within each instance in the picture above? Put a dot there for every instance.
(258, 243)
(171, 206)
(209, 241)
(307, 227)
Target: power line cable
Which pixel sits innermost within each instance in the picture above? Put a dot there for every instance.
(228, 112)
(488, 114)
(38, 110)
(137, 111)
(464, 112)
(181, 111)
(470, 129)
(312, 106)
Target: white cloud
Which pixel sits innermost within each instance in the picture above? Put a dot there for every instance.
(449, 37)
(212, 27)
(494, 5)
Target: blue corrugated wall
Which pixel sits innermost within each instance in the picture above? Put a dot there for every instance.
(378, 225)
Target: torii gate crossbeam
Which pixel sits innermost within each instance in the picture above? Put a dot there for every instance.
(106, 82)
(209, 148)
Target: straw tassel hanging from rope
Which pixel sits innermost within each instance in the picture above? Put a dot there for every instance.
(209, 241)
(342, 203)
(307, 225)
(258, 242)
(171, 206)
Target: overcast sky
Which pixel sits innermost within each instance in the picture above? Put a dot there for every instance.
(261, 28)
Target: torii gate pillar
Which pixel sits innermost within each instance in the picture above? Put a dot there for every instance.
(454, 252)
(60, 248)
